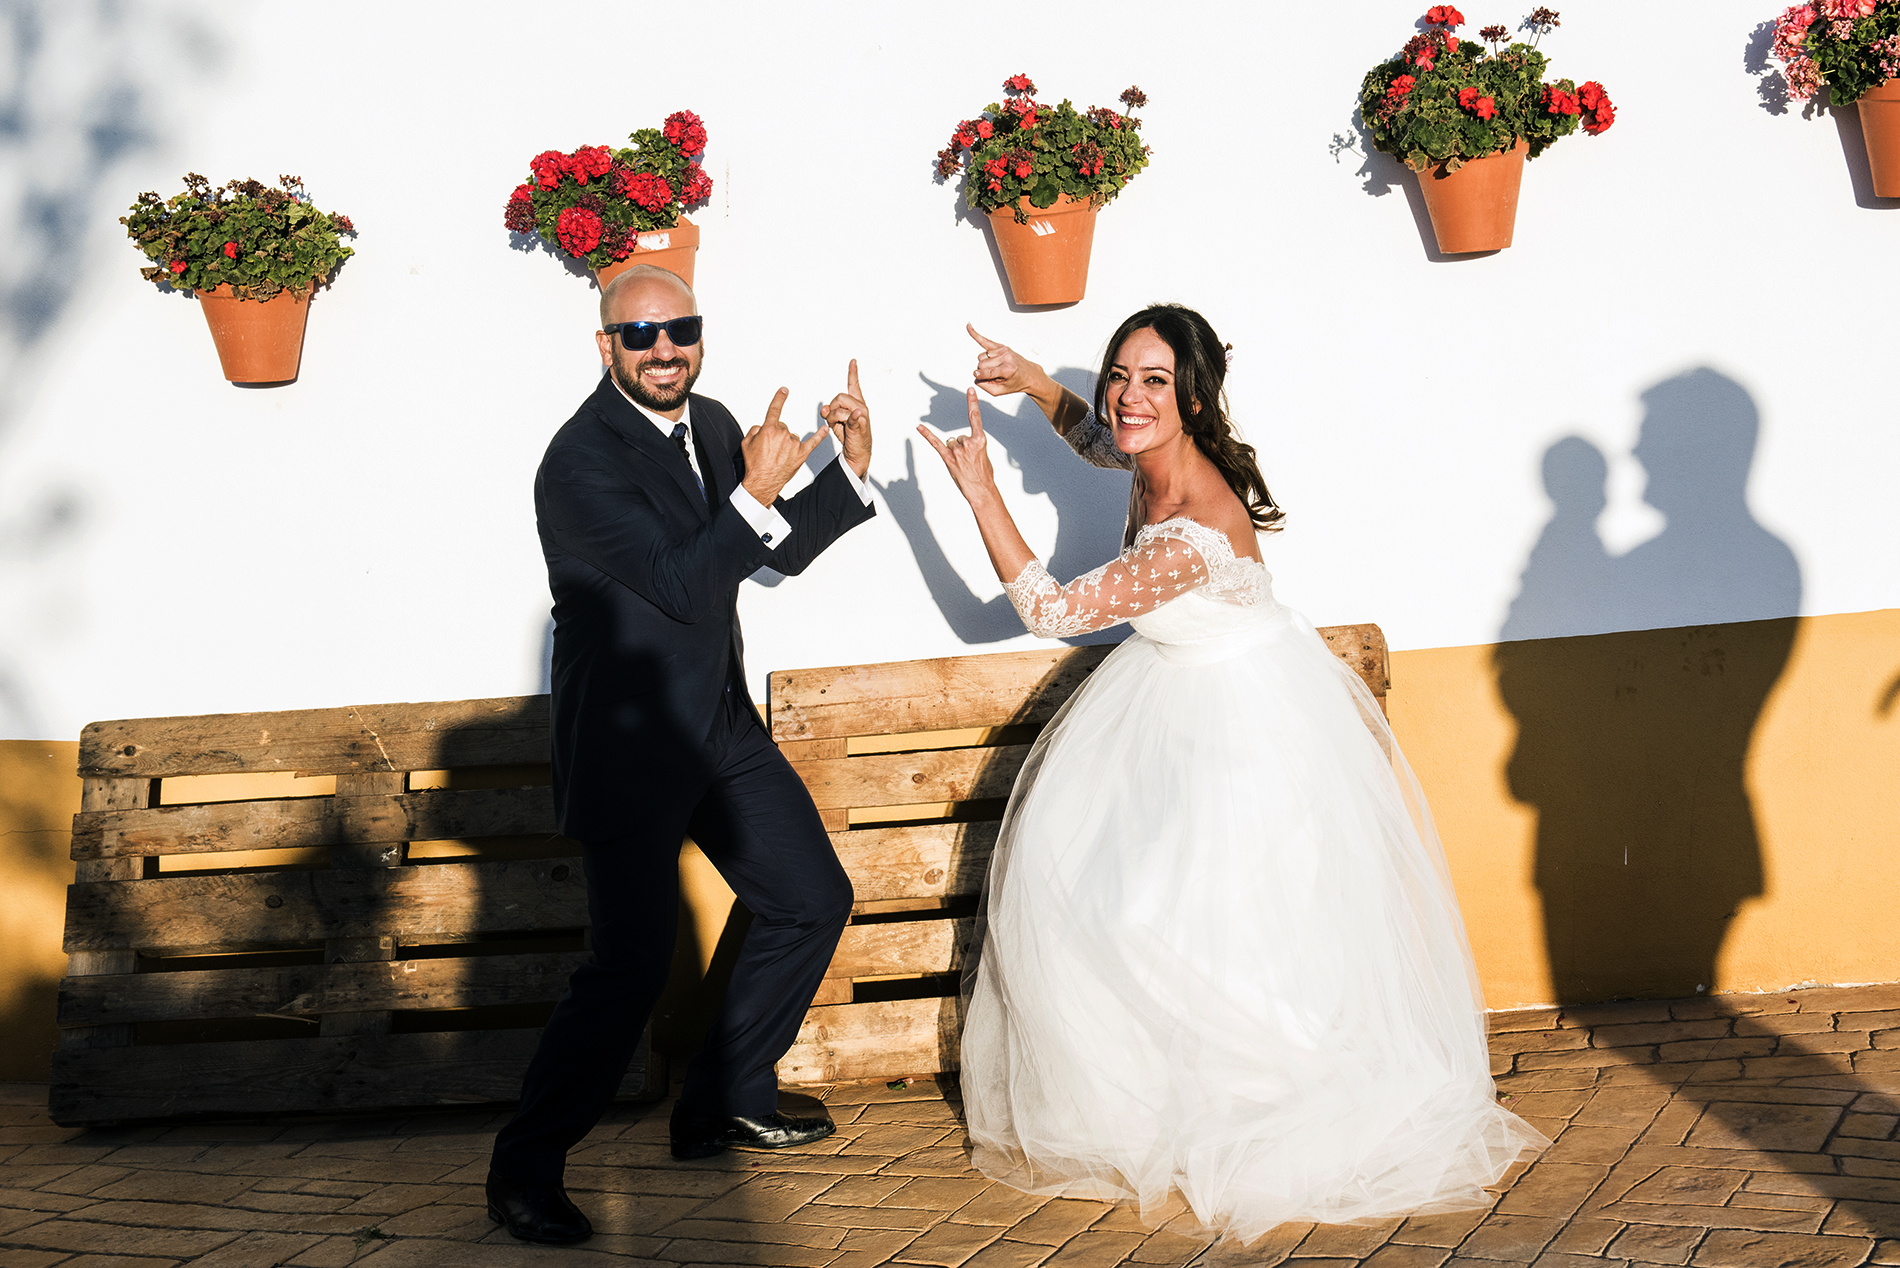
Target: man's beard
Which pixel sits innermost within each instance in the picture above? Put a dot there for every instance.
(659, 400)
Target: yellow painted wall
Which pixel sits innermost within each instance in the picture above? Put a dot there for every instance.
(1715, 807)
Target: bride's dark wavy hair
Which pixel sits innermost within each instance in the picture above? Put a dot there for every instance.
(1200, 370)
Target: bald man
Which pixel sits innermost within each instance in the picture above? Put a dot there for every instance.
(653, 507)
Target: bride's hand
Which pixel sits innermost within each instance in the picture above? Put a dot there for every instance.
(967, 457)
(1000, 371)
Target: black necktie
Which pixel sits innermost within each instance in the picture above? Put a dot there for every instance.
(679, 440)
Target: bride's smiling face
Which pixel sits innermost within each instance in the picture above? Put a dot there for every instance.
(1140, 394)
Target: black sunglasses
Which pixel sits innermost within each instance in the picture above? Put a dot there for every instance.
(638, 336)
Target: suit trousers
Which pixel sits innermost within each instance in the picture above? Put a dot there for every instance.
(757, 824)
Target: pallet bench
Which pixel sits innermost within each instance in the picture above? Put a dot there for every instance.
(368, 908)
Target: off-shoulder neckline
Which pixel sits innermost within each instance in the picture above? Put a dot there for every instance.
(1226, 542)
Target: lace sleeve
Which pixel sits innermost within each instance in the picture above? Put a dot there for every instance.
(1095, 443)
(1159, 567)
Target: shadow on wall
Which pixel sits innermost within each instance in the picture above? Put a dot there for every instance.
(1631, 745)
(1091, 509)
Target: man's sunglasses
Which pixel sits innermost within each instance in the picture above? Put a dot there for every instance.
(638, 336)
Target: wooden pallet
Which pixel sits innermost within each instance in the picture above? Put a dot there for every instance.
(383, 921)
(910, 763)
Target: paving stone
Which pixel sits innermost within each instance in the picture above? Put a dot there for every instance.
(120, 1261)
(770, 1197)
(174, 1186)
(1623, 1177)
(40, 1200)
(1733, 1159)
(1548, 1080)
(1553, 1188)
(200, 1215)
(1671, 1124)
(940, 1160)
(690, 1251)
(1584, 1237)
(85, 1179)
(1780, 1201)
(257, 1250)
(1868, 1219)
(1658, 1032)
(331, 1252)
(1734, 1248)
(1784, 1067)
(862, 1190)
(909, 1217)
(1768, 1090)
(999, 1205)
(1396, 1255)
(1558, 1259)
(1503, 1021)
(1163, 1247)
(918, 1113)
(1564, 1104)
(674, 1182)
(899, 1138)
(419, 1252)
(1092, 1250)
(1514, 1238)
(1622, 1107)
(1764, 1221)
(1703, 1050)
(1850, 1188)
(949, 1245)
(71, 1234)
(1007, 1254)
(1868, 1126)
(1657, 1243)
(293, 1203)
(1539, 1041)
(165, 1157)
(810, 1235)
(1058, 1221)
(1345, 1241)
(936, 1193)
(1870, 1167)
(456, 1223)
(12, 1219)
(1590, 1016)
(21, 1257)
(1885, 1060)
(1888, 1150)
(1586, 1058)
(885, 1242)
(394, 1199)
(1697, 1186)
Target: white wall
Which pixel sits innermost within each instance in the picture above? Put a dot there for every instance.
(172, 544)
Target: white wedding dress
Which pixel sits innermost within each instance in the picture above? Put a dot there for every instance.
(1222, 955)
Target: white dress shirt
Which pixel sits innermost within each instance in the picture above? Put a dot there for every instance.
(771, 527)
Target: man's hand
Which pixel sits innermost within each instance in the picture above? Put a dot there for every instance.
(773, 454)
(850, 421)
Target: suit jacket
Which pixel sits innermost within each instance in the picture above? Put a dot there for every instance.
(645, 575)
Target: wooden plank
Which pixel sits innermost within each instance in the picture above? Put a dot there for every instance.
(900, 948)
(313, 990)
(935, 860)
(899, 779)
(386, 737)
(996, 689)
(260, 909)
(301, 822)
(1363, 649)
(274, 1076)
(860, 1041)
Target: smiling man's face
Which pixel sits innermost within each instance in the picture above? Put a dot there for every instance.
(659, 377)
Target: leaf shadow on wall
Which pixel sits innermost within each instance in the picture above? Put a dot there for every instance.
(1631, 745)
(1091, 506)
(1383, 173)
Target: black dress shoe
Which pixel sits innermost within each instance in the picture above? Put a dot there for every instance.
(703, 1135)
(536, 1212)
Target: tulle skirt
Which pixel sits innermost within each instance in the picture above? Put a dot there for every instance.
(1222, 956)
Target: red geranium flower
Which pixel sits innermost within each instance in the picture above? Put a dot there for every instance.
(590, 161)
(178, 266)
(985, 129)
(1020, 83)
(686, 131)
(1444, 15)
(520, 214)
(1597, 102)
(646, 189)
(1400, 86)
(230, 250)
(548, 168)
(698, 187)
(1557, 101)
(578, 230)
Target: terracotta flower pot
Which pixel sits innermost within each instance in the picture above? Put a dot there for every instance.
(1475, 207)
(259, 341)
(1046, 260)
(1880, 126)
(670, 249)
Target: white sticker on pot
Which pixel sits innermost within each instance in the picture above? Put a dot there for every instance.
(1042, 228)
(654, 241)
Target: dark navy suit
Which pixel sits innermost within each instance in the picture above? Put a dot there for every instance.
(654, 740)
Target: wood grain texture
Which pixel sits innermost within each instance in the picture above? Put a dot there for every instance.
(275, 1076)
(936, 860)
(260, 909)
(883, 1040)
(901, 779)
(313, 990)
(901, 948)
(301, 822)
(507, 730)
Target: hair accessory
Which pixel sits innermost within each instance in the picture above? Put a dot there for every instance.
(1228, 348)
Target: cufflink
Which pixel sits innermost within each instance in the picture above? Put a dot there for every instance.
(766, 538)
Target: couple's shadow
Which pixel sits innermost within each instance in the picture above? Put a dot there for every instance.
(1091, 505)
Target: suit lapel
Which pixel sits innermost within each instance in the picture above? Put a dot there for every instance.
(713, 464)
(645, 439)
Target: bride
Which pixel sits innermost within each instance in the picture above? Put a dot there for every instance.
(1222, 953)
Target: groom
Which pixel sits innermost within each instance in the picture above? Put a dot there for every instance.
(653, 507)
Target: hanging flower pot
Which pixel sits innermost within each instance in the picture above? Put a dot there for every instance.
(1465, 118)
(1880, 127)
(253, 256)
(1023, 152)
(612, 209)
(1047, 258)
(1475, 207)
(670, 249)
(259, 340)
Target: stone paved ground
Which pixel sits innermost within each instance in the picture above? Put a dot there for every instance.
(1727, 1132)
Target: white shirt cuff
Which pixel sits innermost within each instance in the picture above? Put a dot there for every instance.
(766, 522)
(858, 482)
